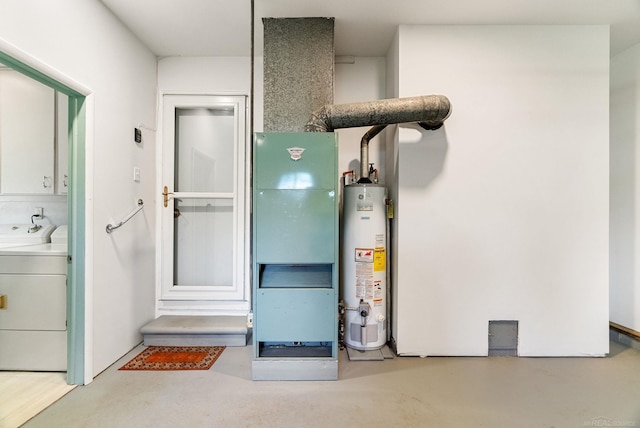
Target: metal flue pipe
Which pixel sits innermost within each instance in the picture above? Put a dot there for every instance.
(364, 152)
(428, 110)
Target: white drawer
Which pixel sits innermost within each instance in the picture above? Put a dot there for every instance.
(34, 302)
(33, 264)
(33, 350)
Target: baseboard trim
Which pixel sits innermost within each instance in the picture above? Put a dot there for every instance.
(624, 336)
(622, 329)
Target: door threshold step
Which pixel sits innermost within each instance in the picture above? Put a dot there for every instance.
(196, 330)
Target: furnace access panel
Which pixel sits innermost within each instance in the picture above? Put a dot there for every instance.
(295, 256)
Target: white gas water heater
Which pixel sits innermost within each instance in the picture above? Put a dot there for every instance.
(364, 265)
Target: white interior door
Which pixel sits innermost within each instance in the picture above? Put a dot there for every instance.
(202, 243)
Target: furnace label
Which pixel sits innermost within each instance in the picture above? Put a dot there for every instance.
(295, 153)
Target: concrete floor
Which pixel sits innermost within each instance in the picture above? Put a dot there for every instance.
(403, 392)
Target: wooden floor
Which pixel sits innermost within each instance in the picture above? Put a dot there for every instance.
(25, 394)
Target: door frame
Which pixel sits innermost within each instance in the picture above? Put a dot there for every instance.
(80, 102)
(190, 307)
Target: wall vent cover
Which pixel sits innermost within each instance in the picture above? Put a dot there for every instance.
(503, 338)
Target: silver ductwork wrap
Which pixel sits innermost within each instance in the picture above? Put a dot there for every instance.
(428, 110)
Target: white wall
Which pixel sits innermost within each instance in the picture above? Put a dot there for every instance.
(364, 80)
(209, 75)
(502, 214)
(625, 188)
(88, 45)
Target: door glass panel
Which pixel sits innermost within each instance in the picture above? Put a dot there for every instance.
(203, 242)
(203, 228)
(204, 149)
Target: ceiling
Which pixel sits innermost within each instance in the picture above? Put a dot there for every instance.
(362, 27)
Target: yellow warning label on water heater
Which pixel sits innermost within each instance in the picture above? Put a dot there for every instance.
(379, 259)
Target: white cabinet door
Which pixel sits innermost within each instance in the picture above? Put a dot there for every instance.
(34, 302)
(27, 129)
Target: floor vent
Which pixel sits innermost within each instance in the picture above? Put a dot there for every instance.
(503, 338)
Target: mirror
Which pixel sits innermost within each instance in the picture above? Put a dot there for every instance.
(33, 136)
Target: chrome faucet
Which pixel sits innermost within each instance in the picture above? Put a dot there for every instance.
(34, 227)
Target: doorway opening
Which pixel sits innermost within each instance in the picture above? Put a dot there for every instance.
(76, 196)
(204, 215)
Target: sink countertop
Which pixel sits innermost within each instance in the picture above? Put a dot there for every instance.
(33, 249)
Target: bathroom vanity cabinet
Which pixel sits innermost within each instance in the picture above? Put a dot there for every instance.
(33, 317)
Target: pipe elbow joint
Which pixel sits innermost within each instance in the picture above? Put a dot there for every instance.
(320, 121)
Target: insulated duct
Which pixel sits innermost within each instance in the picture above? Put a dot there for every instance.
(298, 70)
(429, 111)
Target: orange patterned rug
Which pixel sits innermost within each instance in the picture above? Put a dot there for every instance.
(175, 358)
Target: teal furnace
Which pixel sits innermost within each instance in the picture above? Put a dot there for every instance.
(295, 256)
